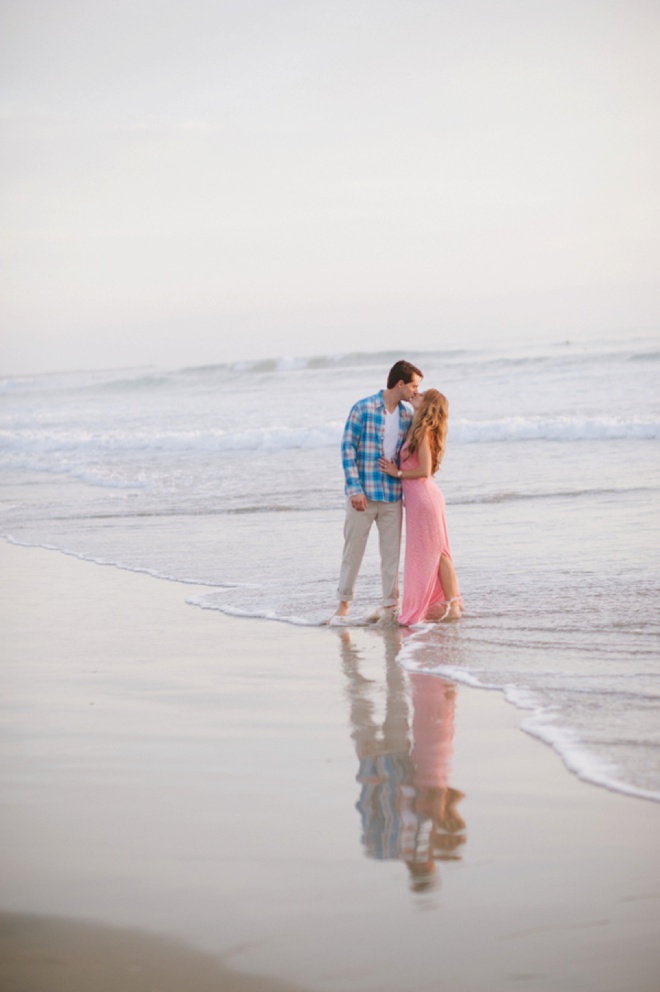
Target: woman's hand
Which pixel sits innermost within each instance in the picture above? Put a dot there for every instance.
(390, 468)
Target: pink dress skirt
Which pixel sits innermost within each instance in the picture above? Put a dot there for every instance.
(426, 542)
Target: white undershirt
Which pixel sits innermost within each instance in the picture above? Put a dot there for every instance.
(391, 435)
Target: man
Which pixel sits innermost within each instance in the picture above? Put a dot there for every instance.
(376, 426)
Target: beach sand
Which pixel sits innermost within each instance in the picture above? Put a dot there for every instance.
(179, 811)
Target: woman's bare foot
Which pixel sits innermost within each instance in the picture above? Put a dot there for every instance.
(454, 609)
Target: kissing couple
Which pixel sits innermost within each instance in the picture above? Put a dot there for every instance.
(392, 446)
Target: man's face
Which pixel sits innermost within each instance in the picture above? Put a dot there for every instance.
(409, 389)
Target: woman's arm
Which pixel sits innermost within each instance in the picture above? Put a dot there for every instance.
(425, 464)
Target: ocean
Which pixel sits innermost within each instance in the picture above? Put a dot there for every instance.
(229, 477)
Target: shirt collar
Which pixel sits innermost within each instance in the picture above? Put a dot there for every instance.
(401, 406)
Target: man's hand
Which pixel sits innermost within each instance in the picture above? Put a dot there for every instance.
(359, 502)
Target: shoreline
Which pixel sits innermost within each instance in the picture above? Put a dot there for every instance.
(191, 776)
(585, 766)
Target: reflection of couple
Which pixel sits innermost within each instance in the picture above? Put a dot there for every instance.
(407, 807)
(388, 452)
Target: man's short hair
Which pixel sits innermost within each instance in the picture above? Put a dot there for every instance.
(402, 370)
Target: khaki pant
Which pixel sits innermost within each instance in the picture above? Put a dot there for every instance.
(387, 517)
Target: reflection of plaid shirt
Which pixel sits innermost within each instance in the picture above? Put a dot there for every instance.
(362, 446)
(385, 805)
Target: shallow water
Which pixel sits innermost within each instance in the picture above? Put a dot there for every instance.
(230, 477)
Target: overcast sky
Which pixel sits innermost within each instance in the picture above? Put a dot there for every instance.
(206, 180)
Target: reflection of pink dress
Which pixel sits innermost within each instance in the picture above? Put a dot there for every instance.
(434, 702)
(426, 542)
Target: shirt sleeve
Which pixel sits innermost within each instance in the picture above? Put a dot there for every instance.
(349, 447)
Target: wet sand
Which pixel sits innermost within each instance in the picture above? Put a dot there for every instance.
(198, 799)
(46, 954)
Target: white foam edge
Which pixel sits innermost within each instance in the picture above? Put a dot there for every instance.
(10, 539)
(575, 755)
(539, 724)
(233, 611)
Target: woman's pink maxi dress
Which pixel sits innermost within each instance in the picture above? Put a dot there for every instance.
(426, 542)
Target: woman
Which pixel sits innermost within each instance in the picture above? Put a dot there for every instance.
(430, 587)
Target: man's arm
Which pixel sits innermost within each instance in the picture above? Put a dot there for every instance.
(349, 446)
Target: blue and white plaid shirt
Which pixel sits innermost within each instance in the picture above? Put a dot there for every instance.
(362, 446)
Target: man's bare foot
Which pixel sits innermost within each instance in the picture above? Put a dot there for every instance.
(383, 615)
(340, 618)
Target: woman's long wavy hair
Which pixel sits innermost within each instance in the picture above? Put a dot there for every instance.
(431, 420)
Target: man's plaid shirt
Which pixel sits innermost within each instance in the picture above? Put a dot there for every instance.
(362, 446)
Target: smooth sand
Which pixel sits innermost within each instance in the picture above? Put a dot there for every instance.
(47, 954)
(185, 784)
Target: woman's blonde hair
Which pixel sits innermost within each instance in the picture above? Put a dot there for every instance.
(431, 421)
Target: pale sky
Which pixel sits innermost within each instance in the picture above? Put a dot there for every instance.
(208, 180)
